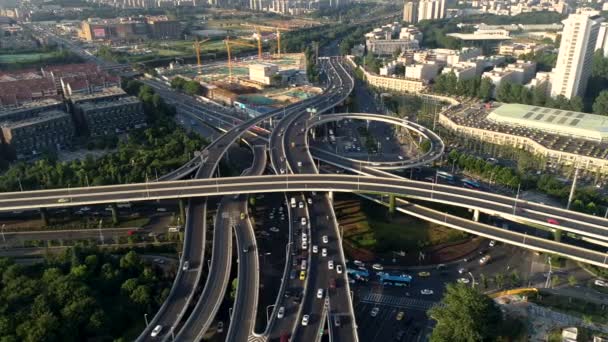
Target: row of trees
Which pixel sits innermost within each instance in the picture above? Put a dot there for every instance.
(189, 87)
(141, 156)
(77, 296)
(501, 175)
(586, 199)
(508, 92)
(449, 84)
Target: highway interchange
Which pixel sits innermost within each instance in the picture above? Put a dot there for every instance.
(291, 159)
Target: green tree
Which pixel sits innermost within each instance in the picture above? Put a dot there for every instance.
(572, 281)
(486, 88)
(466, 315)
(600, 105)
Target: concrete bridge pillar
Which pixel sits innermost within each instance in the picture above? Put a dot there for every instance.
(391, 204)
(476, 215)
(114, 209)
(557, 235)
(182, 211)
(44, 216)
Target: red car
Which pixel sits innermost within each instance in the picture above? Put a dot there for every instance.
(552, 221)
(131, 232)
(332, 283)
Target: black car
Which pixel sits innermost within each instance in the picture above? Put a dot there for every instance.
(297, 299)
(399, 335)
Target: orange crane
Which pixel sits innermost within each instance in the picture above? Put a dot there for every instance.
(228, 42)
(278, 34)
(197, 48)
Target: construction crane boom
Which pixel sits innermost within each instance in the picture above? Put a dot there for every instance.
(197, 48)
(227, 41)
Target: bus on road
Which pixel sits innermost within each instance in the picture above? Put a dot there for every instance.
(395, 280)
(357, 274)
(445, 176)
(470, 184)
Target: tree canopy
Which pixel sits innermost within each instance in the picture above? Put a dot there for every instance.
(78, 295)
(465, 316)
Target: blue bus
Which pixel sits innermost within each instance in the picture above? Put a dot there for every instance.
(358, 274)
(445, 176)
(395, 280)
(469, 183)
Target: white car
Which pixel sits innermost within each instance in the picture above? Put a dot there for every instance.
(462, 270)
(305, 319)
(220, 327)
(299, 164)
(301, 205)
(600, 282)
(330, 264)
(339, 269)
(463, 280)
(377, 267)
(274, 229)
(281, 312)
(156, 330)
(375, 311)
(325, 239)
(324, 252)
(320, 293)
(315, 248)
(426, 292)
(309, 200)
(358, 263)
(492, 243)
(186, 266)
(303, 221)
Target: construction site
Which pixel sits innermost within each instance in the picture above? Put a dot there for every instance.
(253, 83)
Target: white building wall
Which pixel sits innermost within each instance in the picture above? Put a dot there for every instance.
(573, 66)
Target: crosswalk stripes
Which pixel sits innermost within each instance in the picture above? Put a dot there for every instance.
(253, 338)
(397, 301)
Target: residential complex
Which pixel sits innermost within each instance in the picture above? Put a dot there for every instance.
(44, 109)
(50, 130)
(431, 9)
(410, 12)
(573, 67)
(130, 29)
(109, 116)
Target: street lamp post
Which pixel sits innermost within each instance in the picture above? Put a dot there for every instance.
(3, 238)
(516, 198)
(548, 281)
(146, 319)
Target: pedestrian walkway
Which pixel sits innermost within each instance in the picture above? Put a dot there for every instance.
(377, 298)
(253, 338)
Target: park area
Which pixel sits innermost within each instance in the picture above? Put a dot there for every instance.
(371, 233)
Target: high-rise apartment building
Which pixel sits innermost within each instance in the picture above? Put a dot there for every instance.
(410, 12)
(431, 9)
(573, 68)
(602, 39)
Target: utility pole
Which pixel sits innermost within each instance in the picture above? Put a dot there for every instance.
(573, 188)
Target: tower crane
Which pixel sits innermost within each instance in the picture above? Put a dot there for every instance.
(197, 48)
(228, 42)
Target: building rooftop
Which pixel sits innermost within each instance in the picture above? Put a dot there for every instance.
(562, 122)
(105, 92)
(109, 103)
(46, 116)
